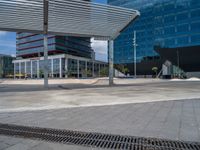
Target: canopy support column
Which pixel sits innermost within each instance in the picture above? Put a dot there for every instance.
(45, 61)
(45, 28)
(110, 61)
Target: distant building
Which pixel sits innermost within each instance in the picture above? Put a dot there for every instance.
(31, 45)
(59, 66)
(6, 66)
(68, 57)
(166, 30)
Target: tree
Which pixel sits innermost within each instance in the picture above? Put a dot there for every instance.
(104, 72)
(1, 71)
(122, 68)
(125, 70)
(41, 73)
(87, 73)
(155, 70)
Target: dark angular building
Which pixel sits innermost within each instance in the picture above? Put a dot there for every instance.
(166, 30)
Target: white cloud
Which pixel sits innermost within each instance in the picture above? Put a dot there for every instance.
(99, 46)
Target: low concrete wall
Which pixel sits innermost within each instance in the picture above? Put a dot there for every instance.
(193, 74)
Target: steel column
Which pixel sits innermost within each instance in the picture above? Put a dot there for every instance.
(60, 67)
(31, 69)
(86, 70)
(20, 71)
(14, 70)
(78, 69)
(45, 61)
(38, 69)
(25, 70)
(135, 55)
(92, 68)
(110, 61)
(52, 74)
(66, 67)
(45, 28)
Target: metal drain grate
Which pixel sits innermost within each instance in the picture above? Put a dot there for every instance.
(99, 140)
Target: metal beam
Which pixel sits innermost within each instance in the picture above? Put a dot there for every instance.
(66, 17)
(45, 30)
(74, 17)
(110, 61)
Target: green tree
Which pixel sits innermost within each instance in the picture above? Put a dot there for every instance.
(122, 68)
(155, 70)
(41, 73)
(104, 72)
(1, 71)
(87, 73)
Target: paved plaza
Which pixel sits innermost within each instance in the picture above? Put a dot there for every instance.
(144, 108)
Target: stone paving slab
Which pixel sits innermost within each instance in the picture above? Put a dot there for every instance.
(169, 110)
(176, 120)
(6, 143)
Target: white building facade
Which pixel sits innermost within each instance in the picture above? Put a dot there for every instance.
(59, 66)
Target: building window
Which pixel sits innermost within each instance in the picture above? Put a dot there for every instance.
(182, 28)
(195, 26)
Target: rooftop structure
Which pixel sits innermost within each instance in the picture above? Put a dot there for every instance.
(72, 18)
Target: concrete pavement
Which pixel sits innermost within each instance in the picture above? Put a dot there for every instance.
(169, 110)
(175, 120)
(22, 97)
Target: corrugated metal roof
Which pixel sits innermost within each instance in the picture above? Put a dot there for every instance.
(65, 17)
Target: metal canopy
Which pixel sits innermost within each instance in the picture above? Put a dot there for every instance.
(65, 17)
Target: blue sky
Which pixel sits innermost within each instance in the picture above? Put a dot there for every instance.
(100, 1)
(8, 43)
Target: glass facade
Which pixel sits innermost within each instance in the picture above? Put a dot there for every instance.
(31, 45)
(6, 66)
(163, 23)
(59, 66)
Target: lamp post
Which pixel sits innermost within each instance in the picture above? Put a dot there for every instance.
(135, 57)
(178, 63)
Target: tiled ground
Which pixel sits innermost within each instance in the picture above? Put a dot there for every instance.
(177, 120)
(168, 110)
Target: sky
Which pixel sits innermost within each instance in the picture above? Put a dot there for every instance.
(8, 43)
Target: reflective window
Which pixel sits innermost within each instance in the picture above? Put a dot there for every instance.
(183, 28)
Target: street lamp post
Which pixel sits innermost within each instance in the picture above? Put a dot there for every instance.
(178, 63)
(135, 57)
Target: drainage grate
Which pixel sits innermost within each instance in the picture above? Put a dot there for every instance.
(99, 140)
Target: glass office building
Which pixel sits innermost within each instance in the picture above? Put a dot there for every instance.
(68, 57)
(172, 25)
(61, 49)
(31, 45)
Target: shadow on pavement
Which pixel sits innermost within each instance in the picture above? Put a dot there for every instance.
(96, 84)
(29, 88)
